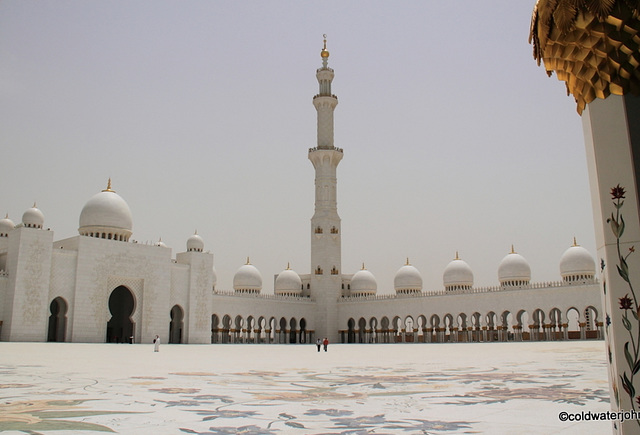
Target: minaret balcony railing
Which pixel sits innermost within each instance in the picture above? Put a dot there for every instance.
(323, 95)
(325, 149)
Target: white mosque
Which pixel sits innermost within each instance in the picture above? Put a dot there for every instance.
(99, 286)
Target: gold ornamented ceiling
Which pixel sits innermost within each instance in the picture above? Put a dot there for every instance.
(592, 45)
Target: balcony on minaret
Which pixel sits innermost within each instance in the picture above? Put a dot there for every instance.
(319, 271)
(334, 230)
(325, 95)
(324, 149)
(319, 230)
(334, 271)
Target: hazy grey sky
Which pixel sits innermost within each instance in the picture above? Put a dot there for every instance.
(201, 113)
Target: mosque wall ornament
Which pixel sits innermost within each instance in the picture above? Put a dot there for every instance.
(629, 304)
(591, 45)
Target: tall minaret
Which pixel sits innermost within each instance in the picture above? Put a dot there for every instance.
(326, 273)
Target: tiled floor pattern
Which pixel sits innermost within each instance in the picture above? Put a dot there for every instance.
(492, 388)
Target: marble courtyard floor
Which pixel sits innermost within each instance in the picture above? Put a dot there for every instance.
(476, 388)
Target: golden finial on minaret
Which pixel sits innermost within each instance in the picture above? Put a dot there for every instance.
(363, 268)
(457, 258)
(574, 241)
(108, 189)
(248, 262)
(324, 53)
(288, 266)
(513, 251)
(35, 205)
(408, 264)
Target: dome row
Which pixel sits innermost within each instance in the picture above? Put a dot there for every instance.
(105, 215)
(32, 218)
(576, 265)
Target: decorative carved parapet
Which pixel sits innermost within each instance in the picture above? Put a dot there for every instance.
(593, 46)
(473, 290)
(284, 297)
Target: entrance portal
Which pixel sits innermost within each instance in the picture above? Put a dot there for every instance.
(121, 306)
(175, 327)
(57, 320)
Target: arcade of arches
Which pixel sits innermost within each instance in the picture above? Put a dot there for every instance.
(259, 330)
(505, 326)
(477, 327)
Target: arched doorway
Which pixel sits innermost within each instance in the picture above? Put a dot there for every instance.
(57, 320)
(176, 324)
(351, 331)
(303, 331)
(120, 326)
(293, 326)
(215, 328)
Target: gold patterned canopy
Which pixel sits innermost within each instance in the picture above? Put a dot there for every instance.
(592, 45)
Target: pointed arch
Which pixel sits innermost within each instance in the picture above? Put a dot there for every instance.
(176, 324)
(57, 320)
(215, 328)
(122, 305)
(351, 330)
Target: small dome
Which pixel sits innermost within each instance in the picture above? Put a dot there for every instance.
(195, 243)
(514, 270)
(457, 275)
(33, 218)
(247, 279)
(576, 264)
(408, 279)
(288, 283)
(106, 215)
(161, 243)
(6, 225)
(363, 283)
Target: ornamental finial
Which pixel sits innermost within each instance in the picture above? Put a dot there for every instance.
(574, 241)
(324, 53)
(108, 189)
(513, 251)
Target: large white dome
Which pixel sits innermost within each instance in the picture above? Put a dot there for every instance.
(363, 283)
(457, 275)
(288, 283)
(247, 279)
(106, 215)
(514, 270)
(33, 218)
(6, 225)
(407, 280)
(576, 264)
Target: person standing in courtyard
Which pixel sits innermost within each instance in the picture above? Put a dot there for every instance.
(156, 344)
(325, 343)
(318, 344)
